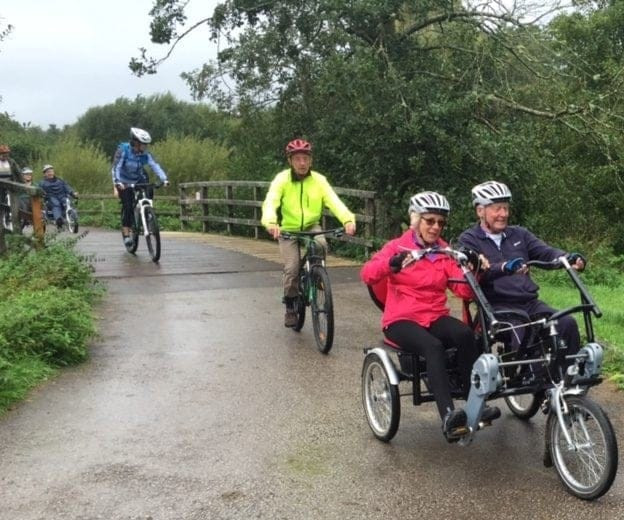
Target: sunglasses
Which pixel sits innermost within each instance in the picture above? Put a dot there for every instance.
(430, 221)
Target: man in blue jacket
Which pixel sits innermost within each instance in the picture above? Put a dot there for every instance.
(507, 283)
(129, 168)
(56, 191)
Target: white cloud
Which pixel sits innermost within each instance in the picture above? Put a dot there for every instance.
(65, 56)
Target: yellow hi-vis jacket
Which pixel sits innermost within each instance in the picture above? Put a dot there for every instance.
(301, 202)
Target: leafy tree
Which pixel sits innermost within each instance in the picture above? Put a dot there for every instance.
(401, 96)
(161, 115)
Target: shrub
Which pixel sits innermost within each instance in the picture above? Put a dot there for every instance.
(45, 311)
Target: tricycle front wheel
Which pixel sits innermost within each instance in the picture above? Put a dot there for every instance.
(587, 466)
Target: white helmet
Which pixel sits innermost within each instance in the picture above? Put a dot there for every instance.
(490, 192)
(26, 171)
(47, 167)
(140, 135)
(429, 202)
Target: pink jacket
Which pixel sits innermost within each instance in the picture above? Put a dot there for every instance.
(418, 292)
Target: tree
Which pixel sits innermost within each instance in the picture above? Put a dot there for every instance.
(161, 115)
(400, 96)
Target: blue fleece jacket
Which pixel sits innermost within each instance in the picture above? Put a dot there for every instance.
(56, 187)
(129, 166)
(517, 242)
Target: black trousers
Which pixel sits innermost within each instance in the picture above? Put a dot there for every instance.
(431, 343)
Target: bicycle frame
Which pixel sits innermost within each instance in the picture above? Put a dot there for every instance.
(141, 202)
(314, 255)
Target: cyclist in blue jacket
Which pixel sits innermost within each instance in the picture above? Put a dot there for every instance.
(129, 168)
(56, 191)
(507, 283)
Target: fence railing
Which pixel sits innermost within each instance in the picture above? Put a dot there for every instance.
(103, 198)
(224, 205)
(238, 203)
(10, 205)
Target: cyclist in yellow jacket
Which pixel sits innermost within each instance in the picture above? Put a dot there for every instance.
(299, 193)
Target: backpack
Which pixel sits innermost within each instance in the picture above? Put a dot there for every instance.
(120, 153)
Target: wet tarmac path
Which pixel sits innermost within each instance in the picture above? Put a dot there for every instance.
(197, 403)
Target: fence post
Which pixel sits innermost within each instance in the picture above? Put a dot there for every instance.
(205, 208)
(229, 195)
(369, 228)
(37, 220)
(183, 207)
(257, 211)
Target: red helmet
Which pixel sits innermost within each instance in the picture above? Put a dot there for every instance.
(298, 146)
(4, 148)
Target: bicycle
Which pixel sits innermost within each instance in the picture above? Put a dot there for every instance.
(144, 221)
(314, 289)
(71, 216)
(579, 439)
(7, 217)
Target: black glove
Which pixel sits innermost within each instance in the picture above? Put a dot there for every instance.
(396, 262)
(473, 256)
(573, 257)
(511, 266)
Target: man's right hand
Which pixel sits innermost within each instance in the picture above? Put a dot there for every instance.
(514, 266)
(274, 231)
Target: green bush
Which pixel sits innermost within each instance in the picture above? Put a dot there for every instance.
(83, 165)
(52, 324)
(187, 159)
(46, 300)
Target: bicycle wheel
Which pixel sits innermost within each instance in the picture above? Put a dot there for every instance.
(72, 221)
(153, 234)
(524, 406)
(380, 399)
(7, 220)
(322, 309)
(587, 468)
(300, 310)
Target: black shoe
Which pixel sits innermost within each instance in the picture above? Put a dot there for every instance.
(454, 425)
(490, 413)
(290, 318)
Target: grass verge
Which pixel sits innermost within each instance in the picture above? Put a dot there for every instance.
(46, 302)
(609, 329)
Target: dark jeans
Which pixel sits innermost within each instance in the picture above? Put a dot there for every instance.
(431, 343)
(127, 206)
(56, 206)
(567, 326)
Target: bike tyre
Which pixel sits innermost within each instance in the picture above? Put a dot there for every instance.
(380, 398)
(322, 311)
(72, 221)
(300, 310)
(152, 238)
(603, 466)
(524, 406)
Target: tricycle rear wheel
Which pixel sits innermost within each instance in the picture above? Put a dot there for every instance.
(380, 399)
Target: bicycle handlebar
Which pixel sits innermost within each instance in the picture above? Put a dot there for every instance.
(293, 235)
(563, 263)
(417, 254)
(143, 185)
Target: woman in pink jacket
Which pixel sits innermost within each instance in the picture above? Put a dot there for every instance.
(416, 315)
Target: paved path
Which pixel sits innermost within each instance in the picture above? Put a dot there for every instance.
(197, 403)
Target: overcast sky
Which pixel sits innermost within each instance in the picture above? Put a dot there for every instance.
(65, 56)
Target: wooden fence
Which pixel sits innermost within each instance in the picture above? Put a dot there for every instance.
(12, 205)
(239, 203)
(225, 205)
